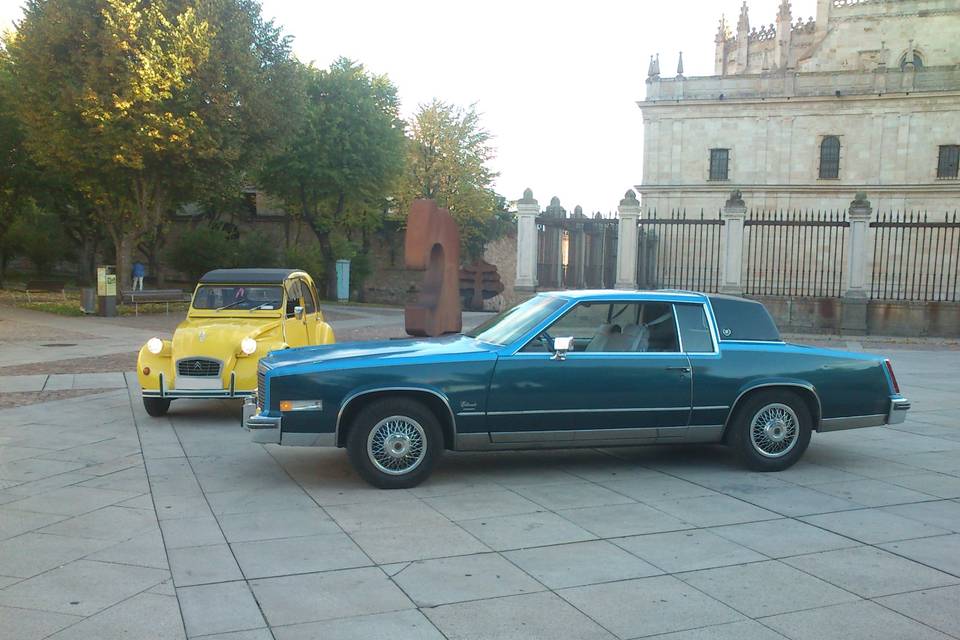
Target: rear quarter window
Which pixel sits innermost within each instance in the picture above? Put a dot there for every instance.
(740, 319)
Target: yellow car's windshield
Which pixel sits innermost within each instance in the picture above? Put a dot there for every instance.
(239, 297)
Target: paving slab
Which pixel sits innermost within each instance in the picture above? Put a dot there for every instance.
(940, 552)
(747, 630)
(219, 608)
(67, 589)
(766, 588)
(937, 608)
(19, 384)
(874, 526)
(852, 621)
(401, 544)
(581, 563)
(430, 583)
(249, 527)
(537, 616)
(783, 538)
(396, 625)
(624, 520)
(305, 554)
(323, 596)
(144, 615)
(680, 551)
(648, 606)
(526, 530)
(870, 572)
(203, 565)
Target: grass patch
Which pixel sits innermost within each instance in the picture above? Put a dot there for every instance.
(60, 308)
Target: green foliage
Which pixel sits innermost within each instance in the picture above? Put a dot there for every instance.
(308, 258)
(447, 160)
(252, 251)
(202, 249)
(345, 155)
(37, 236)
(145, 105)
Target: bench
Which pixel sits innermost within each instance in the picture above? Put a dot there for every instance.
(43, 286)
(152, 296)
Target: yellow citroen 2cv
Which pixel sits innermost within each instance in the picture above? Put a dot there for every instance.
(236, 317)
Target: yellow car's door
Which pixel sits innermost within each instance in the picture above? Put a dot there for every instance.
(294, 316)
(311, 312)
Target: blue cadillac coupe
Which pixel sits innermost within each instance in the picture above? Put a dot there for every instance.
(573, 369)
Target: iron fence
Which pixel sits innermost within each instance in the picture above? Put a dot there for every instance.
(915, 258)
(799, 253)
(576, 252)
(679, 252)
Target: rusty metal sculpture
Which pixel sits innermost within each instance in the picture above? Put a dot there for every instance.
(433, 245)
(478, 282)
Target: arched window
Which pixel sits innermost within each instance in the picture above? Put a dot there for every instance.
(830, 158)
(915, 59)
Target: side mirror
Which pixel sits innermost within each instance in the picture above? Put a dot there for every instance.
(561, 346)
(298, 312)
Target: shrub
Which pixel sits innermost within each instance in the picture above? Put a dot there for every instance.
(202, 249)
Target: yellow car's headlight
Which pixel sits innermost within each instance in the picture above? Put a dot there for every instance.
(248, 346)
(155, 346)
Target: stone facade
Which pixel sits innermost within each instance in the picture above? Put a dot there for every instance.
(881, 76)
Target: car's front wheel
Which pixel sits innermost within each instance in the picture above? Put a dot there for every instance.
(394, 443)
(156, 407)
(772, 430)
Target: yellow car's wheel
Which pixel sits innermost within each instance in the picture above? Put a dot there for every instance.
(156, 407)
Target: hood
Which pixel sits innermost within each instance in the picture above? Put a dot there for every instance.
(346, 354)
(218, 338)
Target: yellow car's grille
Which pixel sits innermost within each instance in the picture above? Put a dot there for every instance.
(198, 368)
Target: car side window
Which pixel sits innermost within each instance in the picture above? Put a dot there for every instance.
(293, 297)
(694, 328)
(615, 327)
(309, 304)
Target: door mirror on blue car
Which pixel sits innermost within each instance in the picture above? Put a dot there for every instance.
(561, 346)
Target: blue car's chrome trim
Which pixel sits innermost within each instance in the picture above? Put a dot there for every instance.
(263, 429)
(898, 410)
(785, 383)
(365, 392)
(852, 422)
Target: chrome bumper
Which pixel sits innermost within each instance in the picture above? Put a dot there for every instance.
(898, 410)
(230, 392)
(263, 429)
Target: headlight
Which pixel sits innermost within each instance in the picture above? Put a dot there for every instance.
(155, 345)
(248, 346)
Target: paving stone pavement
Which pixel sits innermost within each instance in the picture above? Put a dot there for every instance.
(114, 524)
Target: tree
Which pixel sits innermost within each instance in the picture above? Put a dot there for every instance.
(447, 160)
(344, 158)
(148, 104)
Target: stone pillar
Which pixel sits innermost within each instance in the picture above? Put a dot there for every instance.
(734, 214)
(629, 210)
(853, 318)
(527, 211)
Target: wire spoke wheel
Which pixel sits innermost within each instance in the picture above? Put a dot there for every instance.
(397, 445)
(774, 430)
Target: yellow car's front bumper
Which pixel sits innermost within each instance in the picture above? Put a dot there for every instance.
(163, 391)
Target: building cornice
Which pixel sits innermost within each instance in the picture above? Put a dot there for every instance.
(945, 187)
(780, 100)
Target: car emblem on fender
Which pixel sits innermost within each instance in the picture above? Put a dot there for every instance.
(202, 335)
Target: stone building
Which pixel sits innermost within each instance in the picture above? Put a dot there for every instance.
(804, 113)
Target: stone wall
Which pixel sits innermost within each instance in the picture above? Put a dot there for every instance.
(391, 283)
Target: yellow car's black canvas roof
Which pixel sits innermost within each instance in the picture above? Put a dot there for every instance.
(247, 276)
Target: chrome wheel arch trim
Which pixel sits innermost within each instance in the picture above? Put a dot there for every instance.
(359, 394)
(806, 386)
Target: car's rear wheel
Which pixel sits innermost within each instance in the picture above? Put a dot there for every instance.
(394, 443)
(772, 430)
(156, 407)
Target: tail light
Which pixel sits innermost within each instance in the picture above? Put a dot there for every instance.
(893, 378)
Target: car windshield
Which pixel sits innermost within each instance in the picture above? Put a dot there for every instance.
(238, 296)
(512, 324)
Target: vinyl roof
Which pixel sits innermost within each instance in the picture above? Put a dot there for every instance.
(247, 276)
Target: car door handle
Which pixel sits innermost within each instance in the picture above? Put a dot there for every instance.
(680, 369)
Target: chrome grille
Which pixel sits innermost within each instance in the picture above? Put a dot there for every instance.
(198, 368)
(261, 387)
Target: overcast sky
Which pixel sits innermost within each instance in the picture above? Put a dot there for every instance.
(556, 81)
